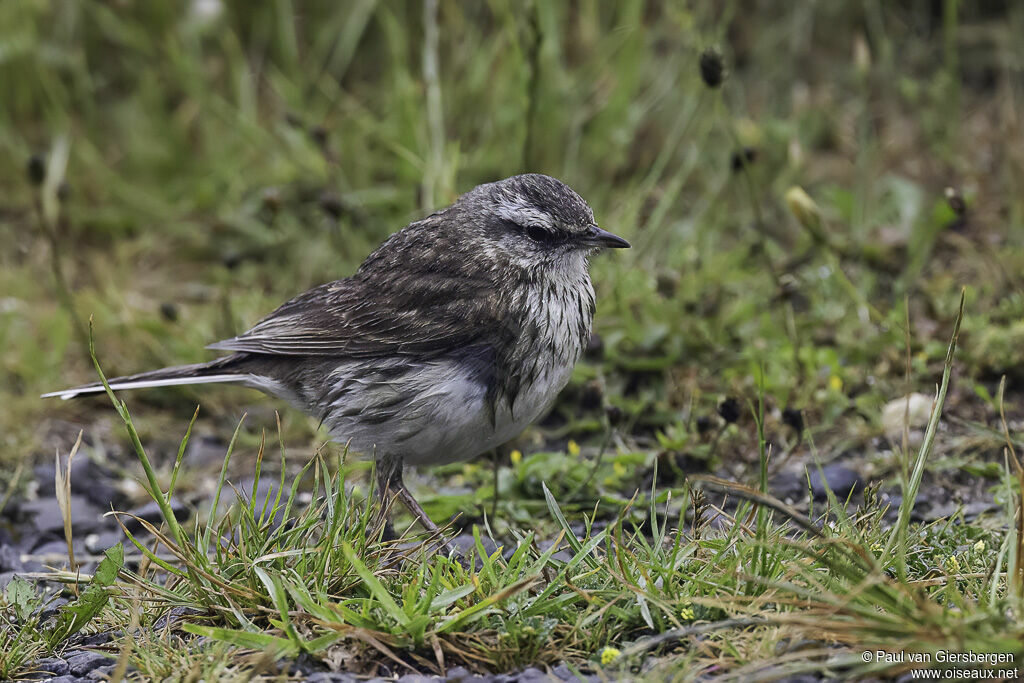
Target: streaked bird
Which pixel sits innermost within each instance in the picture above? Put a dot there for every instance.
(451, 338)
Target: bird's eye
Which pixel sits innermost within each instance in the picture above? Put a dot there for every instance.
(539, 234)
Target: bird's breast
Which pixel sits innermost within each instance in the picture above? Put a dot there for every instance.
(556, 321)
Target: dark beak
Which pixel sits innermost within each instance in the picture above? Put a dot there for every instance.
(597, 237)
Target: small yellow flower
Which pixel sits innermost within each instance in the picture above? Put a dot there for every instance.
(806, 211)
(516, 456)
(979, 547)
(877, 547)
(835, 383)
(953, 563)
(573, 448)
(686, 611)
(609, 655)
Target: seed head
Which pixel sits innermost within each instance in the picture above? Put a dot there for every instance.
(168, 311)
(956, 202)
(703, 424)
(742, 157)
(729, 409)
(614, 414)
(331, 204)
(712, 67)
(794, 418)
(36, 169)
(593, 395)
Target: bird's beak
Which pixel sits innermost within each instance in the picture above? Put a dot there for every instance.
(597, 237)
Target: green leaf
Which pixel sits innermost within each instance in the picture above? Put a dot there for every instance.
(375, 587)
(75, 615)
(279, 647)
(22, 596)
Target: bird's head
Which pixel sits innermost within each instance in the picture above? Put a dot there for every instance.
(536, 219)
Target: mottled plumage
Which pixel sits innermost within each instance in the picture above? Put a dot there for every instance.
(456, 333)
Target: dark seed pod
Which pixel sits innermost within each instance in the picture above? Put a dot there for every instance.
(593, 395)
(36, 169)
(615, 415)
(703, 424)
(729, 409)
(169, 311)
(712, 67)
(595, 346)
(231, 258)
(793, 418)
(667, 284)
(332, 205)
(270, 200)
(319, 135)
(741, 158)
(956, 202)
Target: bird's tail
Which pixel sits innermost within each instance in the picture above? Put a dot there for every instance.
(226, 369)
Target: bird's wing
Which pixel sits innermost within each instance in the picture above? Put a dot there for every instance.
(409, 315)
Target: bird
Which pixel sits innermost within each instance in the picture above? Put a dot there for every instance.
(452, 337)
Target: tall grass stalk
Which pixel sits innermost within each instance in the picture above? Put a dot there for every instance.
(898, 536)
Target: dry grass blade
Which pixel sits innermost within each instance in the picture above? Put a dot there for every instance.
(62, 486)
(758, 498)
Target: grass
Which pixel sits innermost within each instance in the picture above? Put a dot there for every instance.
(197, 170)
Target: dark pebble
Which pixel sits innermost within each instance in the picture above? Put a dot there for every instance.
(978, 507)
(89, 479)
(204, 450)
(54, 666)
(97, 544)
(151, 513)
(53, 554)
(330, 677)
(100, 673)
(840, 478)
(82, 663)
(45, 516)
(96, 639)
(531, 675)
(563, 673)
(788, 486)
(6, 578)
(174, 615)
(467, 543)
(10, 559)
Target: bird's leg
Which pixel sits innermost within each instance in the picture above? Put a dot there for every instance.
(389, 483)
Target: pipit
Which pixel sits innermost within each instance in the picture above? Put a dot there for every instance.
(451, 338)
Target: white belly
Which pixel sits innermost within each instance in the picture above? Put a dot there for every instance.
(445, 415)
(449, 420)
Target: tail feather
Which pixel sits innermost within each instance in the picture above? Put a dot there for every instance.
(220, 370)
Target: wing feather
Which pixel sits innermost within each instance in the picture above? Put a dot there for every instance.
(359, 319)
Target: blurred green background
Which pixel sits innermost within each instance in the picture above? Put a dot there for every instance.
(222, 157)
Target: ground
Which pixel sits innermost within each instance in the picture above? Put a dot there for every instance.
(749, 474)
